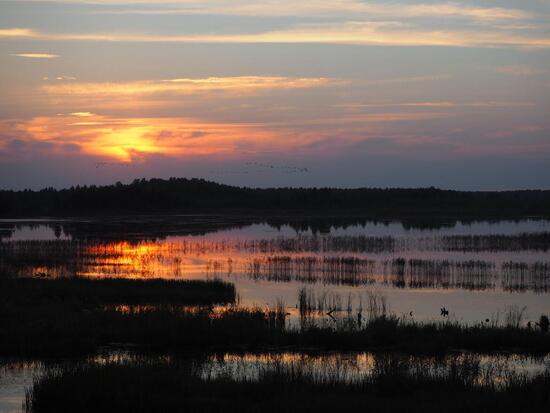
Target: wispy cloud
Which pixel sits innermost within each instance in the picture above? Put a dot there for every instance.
(440, 104)
(309, 8)
(36, 55)
(358, 33)
(239, 85)
(519, 70)
(16, 33)
(82, 114)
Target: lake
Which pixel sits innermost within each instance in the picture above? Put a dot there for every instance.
(480, 272)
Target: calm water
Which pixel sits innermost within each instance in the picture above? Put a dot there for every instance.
(478, 271)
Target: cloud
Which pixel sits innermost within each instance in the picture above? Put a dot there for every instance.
(351, 32)
(239, 85)
(124, 139)
(405, 79)
(82, 114)
(308, 8)
(519, 70)
(36, 55)
(16, 33)
(121, 139)
(440, 104)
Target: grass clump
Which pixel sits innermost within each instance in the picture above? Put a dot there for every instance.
(66, 316)
(88, 292)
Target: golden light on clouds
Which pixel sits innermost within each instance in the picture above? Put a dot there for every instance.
(36, 55)
(133, 139)
(129, 139)
(82, 114)
(16, 32)
(237, 85)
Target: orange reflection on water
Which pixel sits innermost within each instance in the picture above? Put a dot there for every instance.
(147, 259)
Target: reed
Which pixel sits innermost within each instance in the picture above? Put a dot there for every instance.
(282, 260)
(397, 384)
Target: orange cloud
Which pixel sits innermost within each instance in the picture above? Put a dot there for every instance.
(126, 140)
(17, 32)
(131, 139)
(82, 114)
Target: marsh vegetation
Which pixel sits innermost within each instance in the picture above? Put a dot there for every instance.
(394, 383)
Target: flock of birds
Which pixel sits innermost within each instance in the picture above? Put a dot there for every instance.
(106, 164)
(258, 167)
(282, 168)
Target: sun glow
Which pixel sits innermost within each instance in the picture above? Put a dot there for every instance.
(132, 139)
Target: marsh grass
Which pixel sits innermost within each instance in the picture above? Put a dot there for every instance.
(50, 317)
(42, 316)
(396, 383)
(88, 292)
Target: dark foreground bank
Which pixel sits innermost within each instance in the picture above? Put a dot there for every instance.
(161, 386)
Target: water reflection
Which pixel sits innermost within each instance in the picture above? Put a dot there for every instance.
(475, 269)
(356, 367)
(242, 227)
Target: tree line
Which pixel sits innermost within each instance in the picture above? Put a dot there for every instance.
(181, 195)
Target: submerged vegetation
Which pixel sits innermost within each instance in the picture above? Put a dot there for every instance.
(370, 244)
(395, 383)
(304, 259)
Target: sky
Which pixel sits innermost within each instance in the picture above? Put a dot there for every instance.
(344, 93)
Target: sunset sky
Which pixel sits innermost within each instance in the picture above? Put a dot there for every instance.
(276, 93)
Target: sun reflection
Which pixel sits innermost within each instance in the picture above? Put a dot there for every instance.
(146, 259)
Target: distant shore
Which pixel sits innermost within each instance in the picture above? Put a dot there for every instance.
(186, 196)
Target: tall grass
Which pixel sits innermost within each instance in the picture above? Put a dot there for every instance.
(395, 384)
